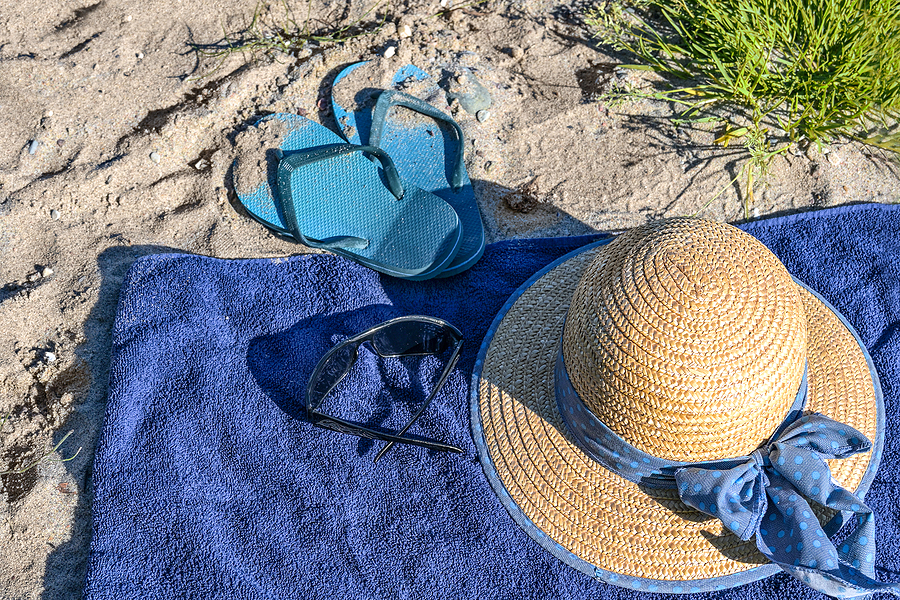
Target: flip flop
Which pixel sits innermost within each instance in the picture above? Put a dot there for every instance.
(329, 195)
(425, 142)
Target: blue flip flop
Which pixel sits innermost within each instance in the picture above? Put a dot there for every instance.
(426, 144)
(329, 195)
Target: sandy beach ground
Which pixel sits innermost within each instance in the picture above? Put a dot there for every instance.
(117, 140)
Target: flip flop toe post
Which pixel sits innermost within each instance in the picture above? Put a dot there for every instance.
(425, 142)
(329, 195)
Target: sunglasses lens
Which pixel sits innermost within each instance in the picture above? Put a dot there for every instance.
(412, 337)
(331, 372)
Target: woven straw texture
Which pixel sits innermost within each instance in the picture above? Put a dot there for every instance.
(604, 519)
(688, 339)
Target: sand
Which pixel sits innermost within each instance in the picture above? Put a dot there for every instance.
(114, 145)
(251, 145)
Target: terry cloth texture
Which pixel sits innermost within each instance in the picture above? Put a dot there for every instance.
(208, 482)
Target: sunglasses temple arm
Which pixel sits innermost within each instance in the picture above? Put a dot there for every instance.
(447, 369)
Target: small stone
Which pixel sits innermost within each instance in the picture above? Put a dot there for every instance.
(49, 113)
(390, 51)
(46, 272)
(833, 158)
(34, 277)
(462, 79)
(518, 53)
(128, 19)
(811, 153)
(33, 146)
(140, 55)
(482, 115)
(54, 214)
(50, 357)
(201, 164)
(154, 156)
(755, 212)
(404, 32)
(60, 142)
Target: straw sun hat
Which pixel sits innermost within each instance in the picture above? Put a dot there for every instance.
(672, 412)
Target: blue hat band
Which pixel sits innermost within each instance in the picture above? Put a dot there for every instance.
(765, 494)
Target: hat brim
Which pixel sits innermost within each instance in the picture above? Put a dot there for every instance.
(598, 522)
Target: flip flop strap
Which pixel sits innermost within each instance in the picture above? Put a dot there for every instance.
(288, 163)
(389, 98)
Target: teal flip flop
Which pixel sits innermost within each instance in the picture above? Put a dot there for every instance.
(329, 195)
(426, 144)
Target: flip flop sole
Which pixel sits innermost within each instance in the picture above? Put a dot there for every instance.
(423, 149)
(415, 237)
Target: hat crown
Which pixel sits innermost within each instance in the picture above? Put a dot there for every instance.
(688, 339)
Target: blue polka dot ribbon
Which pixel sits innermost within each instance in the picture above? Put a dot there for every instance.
(766, 494)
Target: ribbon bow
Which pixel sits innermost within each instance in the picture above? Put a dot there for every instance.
(766, 494)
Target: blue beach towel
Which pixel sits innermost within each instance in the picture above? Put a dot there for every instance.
(209, 484)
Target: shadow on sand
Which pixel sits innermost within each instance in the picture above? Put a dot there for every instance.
(67, 563)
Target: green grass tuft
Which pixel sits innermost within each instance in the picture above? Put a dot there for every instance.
(815, 70)
(45, 457)
(269, 33)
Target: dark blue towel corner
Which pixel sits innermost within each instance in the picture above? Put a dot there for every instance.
(209, 484)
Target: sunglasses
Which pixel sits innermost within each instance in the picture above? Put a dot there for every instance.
(403, 336)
